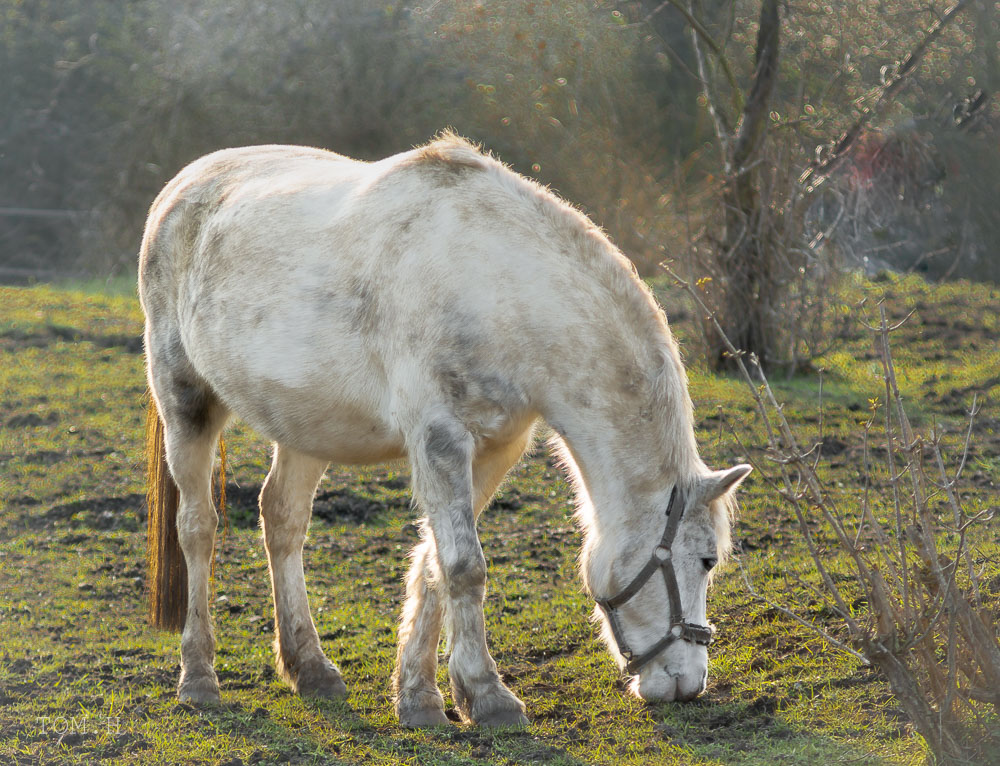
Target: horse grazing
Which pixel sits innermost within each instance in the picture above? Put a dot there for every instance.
(434, 306)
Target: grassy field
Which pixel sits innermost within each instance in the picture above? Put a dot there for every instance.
(83, 678)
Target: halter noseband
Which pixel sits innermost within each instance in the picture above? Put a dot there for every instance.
(661, 559)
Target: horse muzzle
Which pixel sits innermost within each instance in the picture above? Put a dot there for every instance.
(656, 683)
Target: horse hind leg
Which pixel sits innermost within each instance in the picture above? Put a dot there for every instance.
(285, 508)
(193, 418)
(418, 700)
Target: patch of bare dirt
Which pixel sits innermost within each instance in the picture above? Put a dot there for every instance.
(45, 336)
(100, 513)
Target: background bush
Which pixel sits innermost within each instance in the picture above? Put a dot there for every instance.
(104, 100)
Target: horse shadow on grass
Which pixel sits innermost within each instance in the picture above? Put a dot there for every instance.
(368, 504)
(277, 742)
(729, 730)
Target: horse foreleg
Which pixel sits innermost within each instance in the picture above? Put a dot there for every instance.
(285, 508)
(442, 455)
(418, 699)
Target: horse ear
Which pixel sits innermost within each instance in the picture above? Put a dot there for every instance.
(719, 483)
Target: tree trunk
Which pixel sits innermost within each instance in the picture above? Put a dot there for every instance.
(745, 310)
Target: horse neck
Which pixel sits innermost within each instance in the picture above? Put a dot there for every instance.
(628, 435)
(623, 472)
(616, 390)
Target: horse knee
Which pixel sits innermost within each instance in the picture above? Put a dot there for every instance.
(464, 573)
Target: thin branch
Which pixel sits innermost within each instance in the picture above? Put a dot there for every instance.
(719, 121)
(832, 155)
(973, 411)
(707, 38)
(801, 620)
(956, 508)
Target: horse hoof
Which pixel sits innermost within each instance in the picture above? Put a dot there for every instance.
(423, 718)
(510, 719)
(200, 692)
(321, 679)
(331, 688)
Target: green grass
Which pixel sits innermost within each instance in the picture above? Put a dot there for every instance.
(83, 678)
(118, 284)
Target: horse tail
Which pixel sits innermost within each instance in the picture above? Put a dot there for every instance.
(166, 570)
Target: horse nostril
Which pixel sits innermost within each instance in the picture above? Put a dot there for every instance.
(709, 563)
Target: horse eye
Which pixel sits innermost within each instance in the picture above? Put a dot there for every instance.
(709, 563)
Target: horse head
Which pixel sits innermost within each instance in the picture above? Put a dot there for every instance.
(652, 595)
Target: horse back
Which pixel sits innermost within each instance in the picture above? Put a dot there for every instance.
(323, 298)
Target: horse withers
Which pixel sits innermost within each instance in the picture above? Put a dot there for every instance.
(431, 306)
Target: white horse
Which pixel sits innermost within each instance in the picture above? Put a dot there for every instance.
(433, 305)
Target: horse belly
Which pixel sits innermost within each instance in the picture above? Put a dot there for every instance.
(338, 427)
(305, 381)
(341, 433)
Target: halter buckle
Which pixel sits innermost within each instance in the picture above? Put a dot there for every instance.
(703, 635)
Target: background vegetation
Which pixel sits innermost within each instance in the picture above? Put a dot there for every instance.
(105, 101)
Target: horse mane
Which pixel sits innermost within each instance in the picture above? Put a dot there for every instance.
(452, 154)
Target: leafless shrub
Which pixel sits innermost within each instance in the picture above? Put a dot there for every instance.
(779, 295)
(913, 605)
(762, 275)
(914, 199)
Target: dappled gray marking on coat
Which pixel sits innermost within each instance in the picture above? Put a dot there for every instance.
(364, 307)
(433, 305)
(187, 397)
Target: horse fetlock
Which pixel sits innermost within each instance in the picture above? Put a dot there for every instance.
(197, 645)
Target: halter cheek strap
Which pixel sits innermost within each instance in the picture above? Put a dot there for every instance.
(679, 628)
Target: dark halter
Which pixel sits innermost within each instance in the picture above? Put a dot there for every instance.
(662, 560)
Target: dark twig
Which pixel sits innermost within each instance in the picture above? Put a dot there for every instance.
(831, 155)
